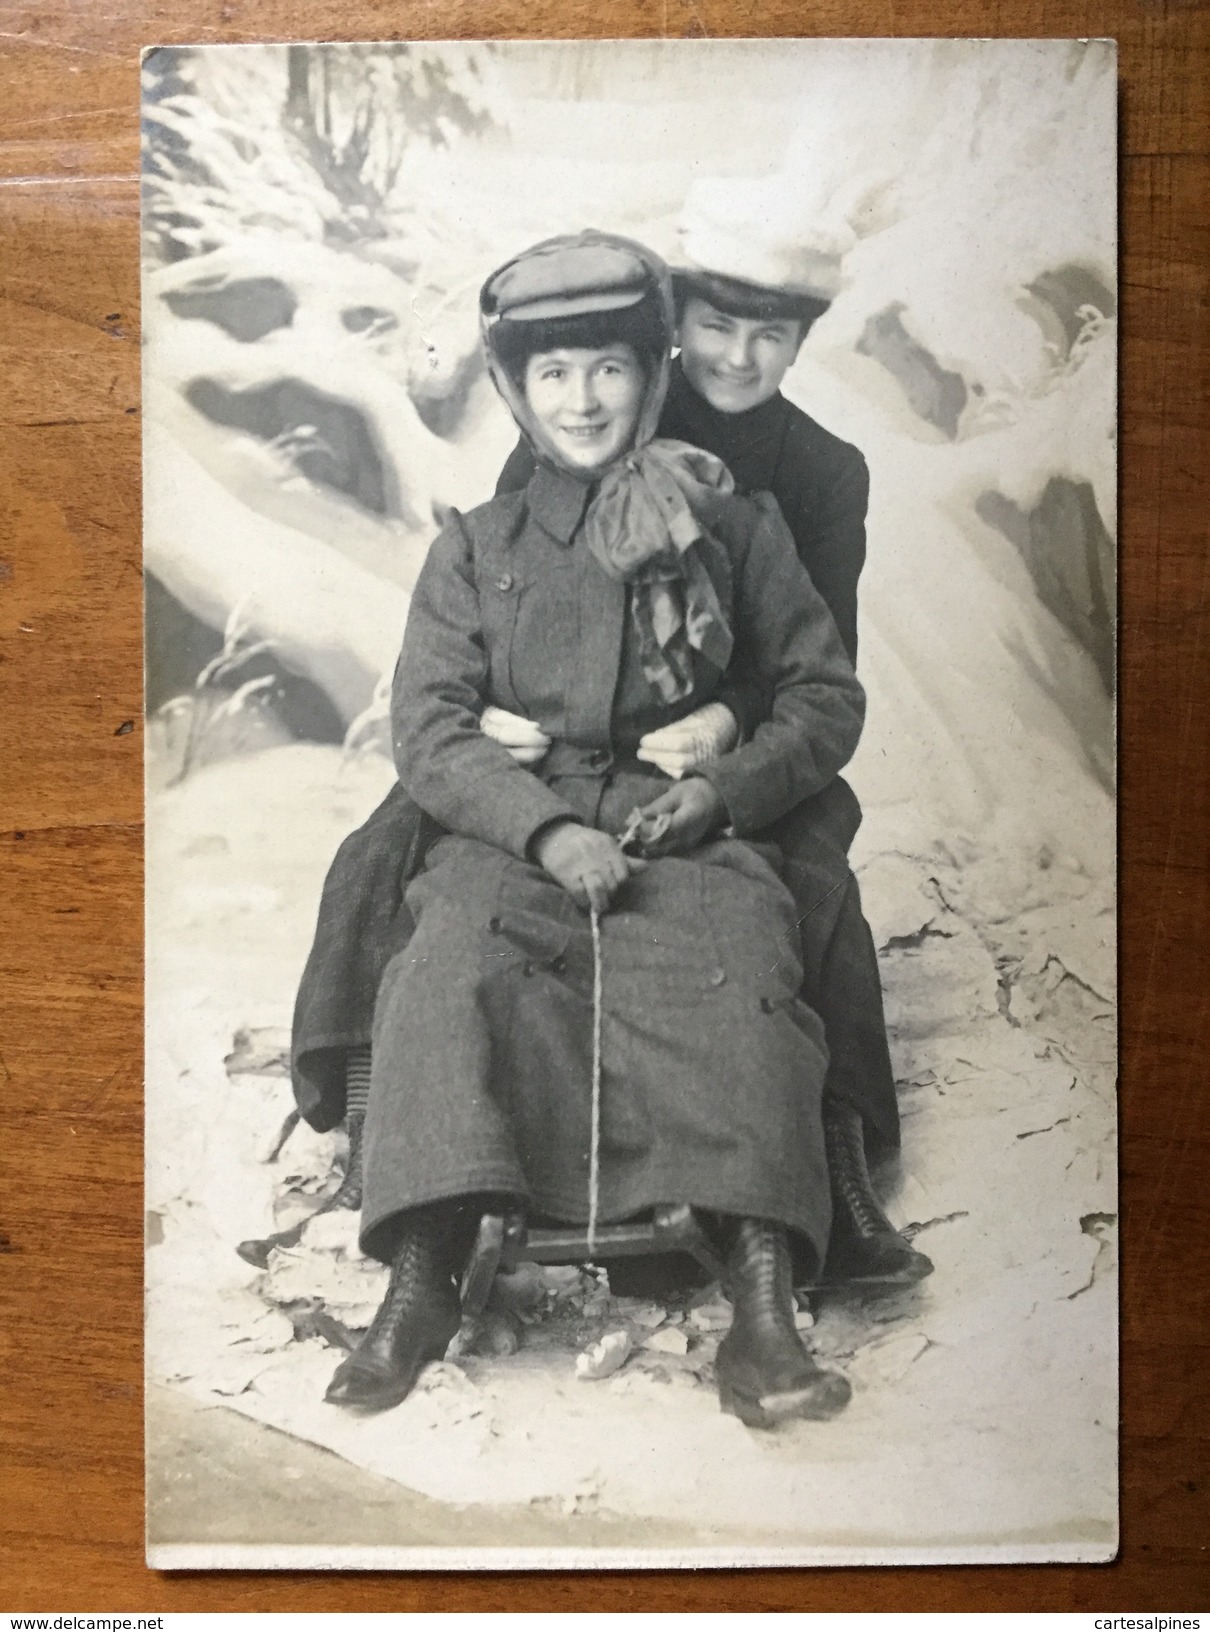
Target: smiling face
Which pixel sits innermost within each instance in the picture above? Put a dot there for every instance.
(586, 402)
(736, 363)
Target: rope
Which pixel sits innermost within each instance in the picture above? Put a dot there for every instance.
(594, 1158)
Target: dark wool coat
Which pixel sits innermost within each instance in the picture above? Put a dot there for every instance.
(822, 487)
(821, 484)
(713, 1063)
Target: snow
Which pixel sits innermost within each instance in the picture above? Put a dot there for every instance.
(984, 1412)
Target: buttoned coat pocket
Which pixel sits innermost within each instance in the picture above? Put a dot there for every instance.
(543, 636)
(499, 597)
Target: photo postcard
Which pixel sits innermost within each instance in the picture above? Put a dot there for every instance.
(630, 645)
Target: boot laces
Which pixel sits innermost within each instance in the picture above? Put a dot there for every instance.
(763, 1282)
(420, 1270)
(846, 1159)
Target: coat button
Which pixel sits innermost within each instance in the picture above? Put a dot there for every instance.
(494, 925)
(767, 1005)
(718, 977)
(599, 756)
(528, 969)
(505, 581)
(558, 965)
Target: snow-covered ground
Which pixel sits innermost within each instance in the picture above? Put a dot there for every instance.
(983, 1422)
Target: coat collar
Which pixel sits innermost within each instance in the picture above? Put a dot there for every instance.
(557, 501)
(733, 437)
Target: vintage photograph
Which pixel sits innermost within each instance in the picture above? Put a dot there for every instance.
(630, 546)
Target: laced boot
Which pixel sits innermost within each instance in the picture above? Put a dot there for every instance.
(348, 1196)
(357, 1098)
(765, 1374)
(416, 1321)
(865, 1245)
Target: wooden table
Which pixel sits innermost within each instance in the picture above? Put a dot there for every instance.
(70, 827)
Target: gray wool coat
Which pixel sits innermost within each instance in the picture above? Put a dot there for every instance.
(512, 610)
(713, 1065)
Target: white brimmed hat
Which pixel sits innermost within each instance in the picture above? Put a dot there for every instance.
(755, 231)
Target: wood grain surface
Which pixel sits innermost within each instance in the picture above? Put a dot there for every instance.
(71, 1477)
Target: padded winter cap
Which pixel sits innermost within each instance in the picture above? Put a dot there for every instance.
(571, 278)
(749, 233)
(567, 277)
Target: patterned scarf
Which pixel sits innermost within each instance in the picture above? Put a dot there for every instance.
(642, 526)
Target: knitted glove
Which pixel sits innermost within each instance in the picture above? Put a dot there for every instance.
(706, 734)
(524, 741)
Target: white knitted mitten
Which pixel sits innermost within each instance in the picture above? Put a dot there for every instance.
(706, 734)
(524, 741)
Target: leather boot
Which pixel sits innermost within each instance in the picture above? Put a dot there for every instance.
(416, 1321)
(865, 1245)
(348, 1196)
(765, 1374)
(357, 1100)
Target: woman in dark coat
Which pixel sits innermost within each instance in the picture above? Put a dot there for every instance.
(617, 593)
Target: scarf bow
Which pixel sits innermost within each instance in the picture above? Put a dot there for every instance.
(641, 527)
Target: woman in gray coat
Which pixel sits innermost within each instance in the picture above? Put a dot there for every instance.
(570, 1028)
